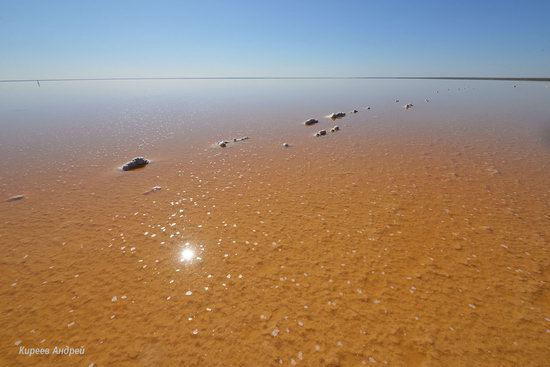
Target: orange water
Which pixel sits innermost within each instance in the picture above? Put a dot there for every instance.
(408, 238)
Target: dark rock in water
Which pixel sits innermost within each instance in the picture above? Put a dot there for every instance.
(335, 129)
(222, 144)
(427, 100)
(396, 101)
(137, 162)
(286, 145)
(310, 122)
(240, 139)
(368, 108)
(154, 189)
(16, 198)
(408, 106)
(337, 115)
(321, 133)
(354, 111)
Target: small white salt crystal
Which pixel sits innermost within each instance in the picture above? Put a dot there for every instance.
(195, 331)
(275, 332)
(372, 360)
(188, 293)
(17, 342)
(71, 324)
(472, 305)
(300, 355)
(114, 299)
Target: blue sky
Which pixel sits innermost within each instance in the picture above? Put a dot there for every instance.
(130, 38)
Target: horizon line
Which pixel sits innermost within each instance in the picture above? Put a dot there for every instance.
(530, 79)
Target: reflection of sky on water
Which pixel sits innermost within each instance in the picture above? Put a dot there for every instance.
(125, 118)
(259, 102)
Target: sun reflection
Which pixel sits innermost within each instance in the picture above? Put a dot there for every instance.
(187, 254)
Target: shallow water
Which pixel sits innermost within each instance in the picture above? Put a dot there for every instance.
(408, 238)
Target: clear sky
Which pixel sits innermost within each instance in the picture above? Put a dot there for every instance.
(131, 38)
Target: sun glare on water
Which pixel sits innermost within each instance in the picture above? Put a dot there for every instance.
(187, 254)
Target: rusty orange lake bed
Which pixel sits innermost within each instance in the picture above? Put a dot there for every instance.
(410, 237)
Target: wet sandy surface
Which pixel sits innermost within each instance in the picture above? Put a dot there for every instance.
(407, 238)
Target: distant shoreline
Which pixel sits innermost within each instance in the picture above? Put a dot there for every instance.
(285, 78)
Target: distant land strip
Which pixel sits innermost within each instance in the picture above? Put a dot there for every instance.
(284, 78)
